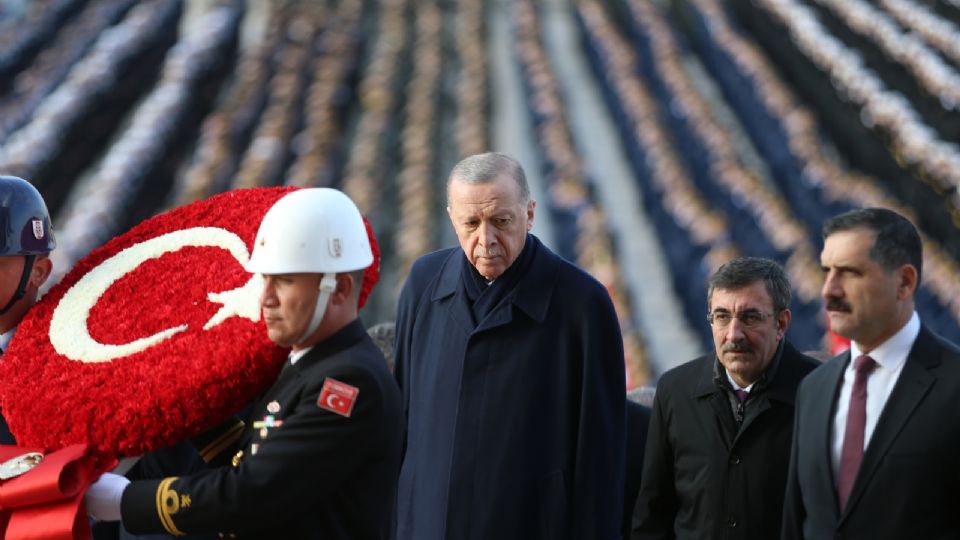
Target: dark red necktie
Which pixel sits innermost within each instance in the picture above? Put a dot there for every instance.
(852, 453)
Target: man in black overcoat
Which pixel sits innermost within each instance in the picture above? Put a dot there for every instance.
(719, 439)
(510, 363)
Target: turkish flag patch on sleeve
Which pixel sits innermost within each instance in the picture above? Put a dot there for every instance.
(337, 397)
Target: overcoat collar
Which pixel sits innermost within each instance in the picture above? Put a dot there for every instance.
(782, 387)
(531, 295)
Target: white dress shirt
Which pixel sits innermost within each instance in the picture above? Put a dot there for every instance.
(890, 357)
(5, 339)
(736, 386)
(297, 355)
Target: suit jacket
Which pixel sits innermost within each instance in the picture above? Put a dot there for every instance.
(515, 425)
(306, 472)
(908, 485)
(704, 476)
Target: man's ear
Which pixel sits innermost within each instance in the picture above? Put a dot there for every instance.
(40, 272)
(908, 281)
(345, 288)
(783, 322)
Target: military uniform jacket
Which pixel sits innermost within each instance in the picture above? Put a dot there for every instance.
(307, 471)
(704, 476)
(516, 426)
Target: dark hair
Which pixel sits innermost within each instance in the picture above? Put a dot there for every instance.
(744, 271)
(897, 240)
(484, 168)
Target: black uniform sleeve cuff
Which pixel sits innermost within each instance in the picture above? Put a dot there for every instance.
(147, 507)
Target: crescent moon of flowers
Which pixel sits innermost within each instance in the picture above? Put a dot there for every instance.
(69, 333)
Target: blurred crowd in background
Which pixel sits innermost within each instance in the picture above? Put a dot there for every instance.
(745, 124)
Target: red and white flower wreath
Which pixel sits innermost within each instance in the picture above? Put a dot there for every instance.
(151, 338)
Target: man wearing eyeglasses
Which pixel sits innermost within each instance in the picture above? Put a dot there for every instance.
(719, 441)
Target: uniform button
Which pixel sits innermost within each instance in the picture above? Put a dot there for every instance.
(735, 459)
(220, 535)
(731, 522)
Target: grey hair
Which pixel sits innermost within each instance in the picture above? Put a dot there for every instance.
(745, 271)
(485, 168)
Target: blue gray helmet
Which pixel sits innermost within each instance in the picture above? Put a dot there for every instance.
(25, 225)
(24, 219)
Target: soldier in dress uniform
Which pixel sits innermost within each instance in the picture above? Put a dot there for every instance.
(321, 458)
(26, 240)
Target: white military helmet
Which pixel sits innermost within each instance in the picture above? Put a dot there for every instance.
(317, 231)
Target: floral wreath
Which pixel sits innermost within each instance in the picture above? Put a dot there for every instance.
(151, 338)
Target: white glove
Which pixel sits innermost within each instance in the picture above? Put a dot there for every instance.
(103, 497)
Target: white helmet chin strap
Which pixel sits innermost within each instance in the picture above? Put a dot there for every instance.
(327, 285)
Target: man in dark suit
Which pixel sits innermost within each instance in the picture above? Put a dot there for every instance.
(719, 439)
(322, 457)
(510, 362)
(877, 432)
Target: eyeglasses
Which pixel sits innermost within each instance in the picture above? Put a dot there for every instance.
(750, 318)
